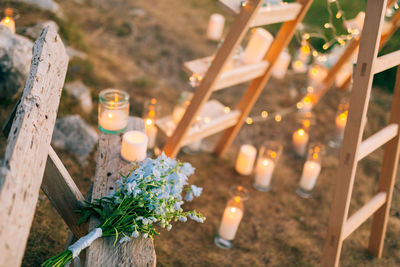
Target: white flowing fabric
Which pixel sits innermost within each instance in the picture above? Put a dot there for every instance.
(85, 242)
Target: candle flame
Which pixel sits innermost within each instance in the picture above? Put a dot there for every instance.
(149, 122)
(298, 64)
(305, 49)
(314, 71)
(265, 162)
(110, 115)
(315, 156)
(264, 114)
(301, 132)
(7, 20)
(343, 116)
(278, 118)
(233, 209)
(237, 199)
(273, 154)
(116, 98)
(152, 113)
(153, 101)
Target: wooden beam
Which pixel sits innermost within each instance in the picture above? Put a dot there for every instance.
(359, 99)
(377, 140)
(109, 167)
(254, 90)
(386, 62)
(363, 214)
(58, 185)
(25, 157)
(207, 84)
(387, 178)
(63, 193)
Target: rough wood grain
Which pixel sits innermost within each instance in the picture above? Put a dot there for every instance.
(139, 252)
(24, 162)
(63, 193)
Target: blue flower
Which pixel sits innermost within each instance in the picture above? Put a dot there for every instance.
(196, 190)
(189, 196)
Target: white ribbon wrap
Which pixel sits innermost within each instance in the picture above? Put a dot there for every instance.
(85, 242)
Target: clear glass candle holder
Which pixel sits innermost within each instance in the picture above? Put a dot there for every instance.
(231, 218)
(311, 170)
(113, 111)
(268, 157)
(340, 124)
(9, 19)
(151, 111)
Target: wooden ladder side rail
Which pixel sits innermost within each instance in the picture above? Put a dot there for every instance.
(387, 178)
(109, 166)
(205, 88)
(252, 93)
(369, 45)
(350, 50)
(58, 186)
(26, 152)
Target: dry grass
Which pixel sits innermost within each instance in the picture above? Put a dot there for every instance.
(144, 55)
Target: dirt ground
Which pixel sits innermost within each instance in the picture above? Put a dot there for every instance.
(139, 46)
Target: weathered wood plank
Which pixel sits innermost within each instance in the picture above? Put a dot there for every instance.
(24, 161)
(63, 193)
(138, 252)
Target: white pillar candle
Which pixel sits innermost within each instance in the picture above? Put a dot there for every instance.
(340, 123)
(306, 104)
(299, 66)
(316, 75)
(300, 140)
(258, 45)
(245, 159)
(215, 27)
(265, 168)
(151, 132)
(134, 146)
(281, 65)
(9, 23)
(230, 222)
(113, 120)
(310, 174)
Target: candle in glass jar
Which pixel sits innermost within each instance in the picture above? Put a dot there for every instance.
(299, 66)
(215, 27)
(9, 23)
(310, 174)
(134, 146)
(230, 222)
(265, 168)
(340, 123)
(258, 45)
(151, 132)
(300, 140)
(113, 120)
(245, 159)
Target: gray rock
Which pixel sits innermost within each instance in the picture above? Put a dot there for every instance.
(15, 61)
(71, 52)
(74, 134)
(49, 5)
(81, 92)
(35, 31)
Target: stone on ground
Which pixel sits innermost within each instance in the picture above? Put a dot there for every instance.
(15, 61)
(81, 92)
(35, 31)
(75, 135)
(49, 5)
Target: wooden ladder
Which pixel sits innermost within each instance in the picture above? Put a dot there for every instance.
(354, 149)
(31, 164)
(249, 15)
(348, 53)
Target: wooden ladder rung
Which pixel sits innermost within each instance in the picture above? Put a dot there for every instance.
(363, 214)
(378, 139)
(265, 15)
(386, 62)
(237, 75)
(215, 117)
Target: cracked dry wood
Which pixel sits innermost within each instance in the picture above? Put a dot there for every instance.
(28, 144)
(138, 252)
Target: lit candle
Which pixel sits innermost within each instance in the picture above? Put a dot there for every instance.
(306, 104)
(300, 140)
(281, 65)
(134, 146)
(316, 75)
(310, 174)
(215, 27)
(230, 222)
(340, 122)
(151, 132)
(113, 120)
(258, 45)
(9, 23)
(265, 168)
(245, 159)
(299, 66)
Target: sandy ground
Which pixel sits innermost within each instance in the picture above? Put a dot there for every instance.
(143, 54)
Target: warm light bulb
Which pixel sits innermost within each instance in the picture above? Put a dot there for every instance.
(325, 46)
(278, 118)
(249, 120)
(264, 114)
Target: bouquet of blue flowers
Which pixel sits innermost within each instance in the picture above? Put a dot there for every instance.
(151, 195)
